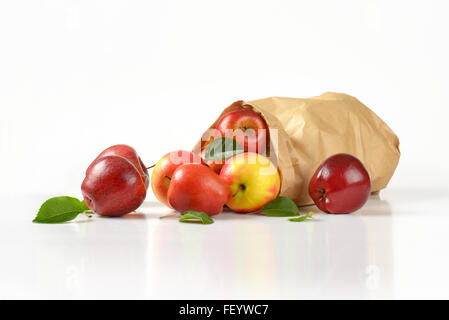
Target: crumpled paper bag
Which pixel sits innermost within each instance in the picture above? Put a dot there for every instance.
(310, 130)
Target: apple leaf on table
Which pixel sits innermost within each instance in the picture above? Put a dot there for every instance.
(60, 209)
(308, 216)
(222, 148)
(281, 207)
(195, 216)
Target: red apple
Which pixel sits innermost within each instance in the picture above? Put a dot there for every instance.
(215, 165)
(129, 153)
(113, 186)
(341, 184)
(247, 127)
(196, 187)
(164, 168)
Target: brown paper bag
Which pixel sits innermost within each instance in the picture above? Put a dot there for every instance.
(312, 129)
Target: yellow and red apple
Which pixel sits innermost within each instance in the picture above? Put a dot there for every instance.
(164, 168)
(253, 179)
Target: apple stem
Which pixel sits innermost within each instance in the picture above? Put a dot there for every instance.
(323, 193)
(240, 188)
(152, 166)
(88, 213)
(168, 215)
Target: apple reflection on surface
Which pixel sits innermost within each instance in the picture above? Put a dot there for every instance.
(251, 256)
(237, 257)
(101, 259)
(232, 258)
(342, 256)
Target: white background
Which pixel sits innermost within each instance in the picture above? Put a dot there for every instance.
(78, 76)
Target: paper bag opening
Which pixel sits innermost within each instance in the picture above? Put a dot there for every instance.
(306, 131)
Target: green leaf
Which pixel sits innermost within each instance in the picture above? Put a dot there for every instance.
(222, 148)
(195, 216)
(59, 209)
(84, 205)
(281, 207)
(302, 218)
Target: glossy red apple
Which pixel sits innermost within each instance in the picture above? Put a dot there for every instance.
(341, 184)
(196, 187)
(129, 153)
(247, 127)
(113, 186)
(164, 168)
(215, 165)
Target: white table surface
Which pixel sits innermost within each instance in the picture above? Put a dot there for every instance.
(79, 76)
(395, 247)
